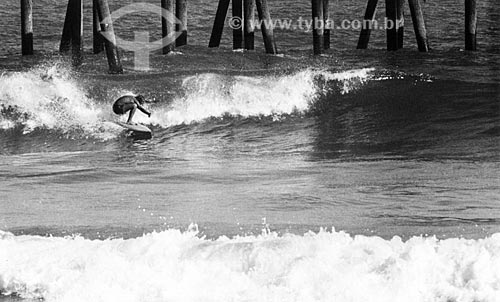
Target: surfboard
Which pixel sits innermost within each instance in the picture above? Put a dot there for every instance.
(137, 130)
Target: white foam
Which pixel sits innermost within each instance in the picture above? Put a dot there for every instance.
(176, 266)
(49, 98)
(350, 79)
(6, 124)
(214, 96)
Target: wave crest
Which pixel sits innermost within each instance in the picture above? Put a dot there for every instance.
(215, 96)
(52, 97)
(46, 97)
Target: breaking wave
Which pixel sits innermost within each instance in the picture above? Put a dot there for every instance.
(182, 266)
(54, 98)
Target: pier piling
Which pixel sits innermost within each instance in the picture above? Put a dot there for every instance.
(72, 35)
(392, 28)
(470, 25)
(98, 42)
(248, 23)
(77, 33)
(243, 27)
(181, 14)
(417, 18)
(266, 26)
(220, 19)
(107, 30)
(237, 7)
(318, 20)
(364, 36)
(65, 44)
(400, 22)
(326, 24)
(167, 26)
(26, 27)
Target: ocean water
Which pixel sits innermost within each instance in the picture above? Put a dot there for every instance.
(358, 175)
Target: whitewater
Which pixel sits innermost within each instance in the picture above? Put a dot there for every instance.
(354, 176)
(181, 266)
(50, 97)
(67, 117)
(52, 109)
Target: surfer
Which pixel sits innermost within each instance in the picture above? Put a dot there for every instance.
(130, 103)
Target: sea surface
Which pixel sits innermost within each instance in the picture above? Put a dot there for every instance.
(358, 175)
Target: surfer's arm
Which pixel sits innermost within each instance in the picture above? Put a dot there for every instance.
(143, 110)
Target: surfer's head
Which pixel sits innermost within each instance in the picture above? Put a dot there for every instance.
(140, 98)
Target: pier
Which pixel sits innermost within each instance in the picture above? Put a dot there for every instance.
(174, 23)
